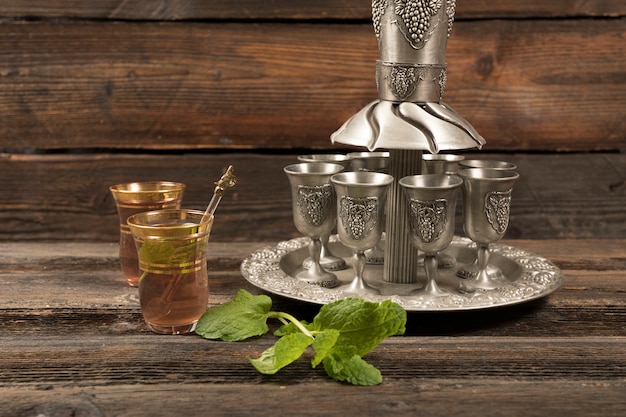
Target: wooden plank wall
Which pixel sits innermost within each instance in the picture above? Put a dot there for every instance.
(94, 93)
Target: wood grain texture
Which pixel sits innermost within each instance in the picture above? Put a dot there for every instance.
(550, 85)
(74, 343)
(289, 9)
(66, 197)
(438, 397)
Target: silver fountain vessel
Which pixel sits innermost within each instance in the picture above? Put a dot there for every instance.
(409, 116)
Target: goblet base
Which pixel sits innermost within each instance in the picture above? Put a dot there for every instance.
(375, 256)
(444, 260)
(328, 262)
(359, 287)
(471, 272)
(322, 279)
(477, 284)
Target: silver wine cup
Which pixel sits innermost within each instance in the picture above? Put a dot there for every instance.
(487, 164)
(441, 164)
(486, 209)
(328, 260)
(432, 204)
(314, 214)
(371, 162)
(361, 204)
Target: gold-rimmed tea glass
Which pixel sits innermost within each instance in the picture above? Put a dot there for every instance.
(173, 285)
(137, 197)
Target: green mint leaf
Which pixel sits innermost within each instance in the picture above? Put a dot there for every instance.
(243, 317)
(324, 342)
(287, 350)
(362, 324)
(343, 364)
(290, 328)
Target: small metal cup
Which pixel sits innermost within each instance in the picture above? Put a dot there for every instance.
(361, 204)
(314, 215)
(432, 204)
(486, 209)
(369, 161)
(331, 158)
(487, 164)
(441, 163)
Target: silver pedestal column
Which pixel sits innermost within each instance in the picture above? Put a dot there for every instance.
(409, 116)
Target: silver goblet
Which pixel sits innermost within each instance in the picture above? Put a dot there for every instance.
(371, 162)
(487, 164)
(314, 214)
(361, 203)
(486, 209)
(432, 204)
(441, 164)
(328, 260)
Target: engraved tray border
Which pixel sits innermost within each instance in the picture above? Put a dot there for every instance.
(530, 277)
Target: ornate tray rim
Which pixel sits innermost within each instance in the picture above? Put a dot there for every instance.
(539, 277)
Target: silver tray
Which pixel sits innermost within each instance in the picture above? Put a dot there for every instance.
(530, 277)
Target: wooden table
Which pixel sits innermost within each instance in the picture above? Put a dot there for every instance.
(73, 342)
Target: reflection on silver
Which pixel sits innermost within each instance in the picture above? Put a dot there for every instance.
(411, 76)
(273, 269)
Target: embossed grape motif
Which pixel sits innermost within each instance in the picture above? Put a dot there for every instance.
(428, 218)
(416, 18)
(359, 216)
(497, 209)
(403, 81)
(314, 203)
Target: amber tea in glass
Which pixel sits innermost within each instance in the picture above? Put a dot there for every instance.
(137, 197)
(173, 285)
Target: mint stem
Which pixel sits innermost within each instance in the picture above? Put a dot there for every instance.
(286, 316)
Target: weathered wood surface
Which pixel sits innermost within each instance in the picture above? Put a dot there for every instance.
(73, 343)
(290, 9)
(66, 196)
(524, 84)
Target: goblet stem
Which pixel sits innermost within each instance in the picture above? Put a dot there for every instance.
(358, 284)
(431, 288)
(375, 255)
(315, 274)
(328, 260)
(484, 279)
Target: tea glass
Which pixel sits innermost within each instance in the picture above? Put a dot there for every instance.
(313, 207)
(432, 205)
(172, 249)
(486, 211)
(137, 197)
(361, 204)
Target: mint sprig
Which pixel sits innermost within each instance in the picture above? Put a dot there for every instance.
(340, 335)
